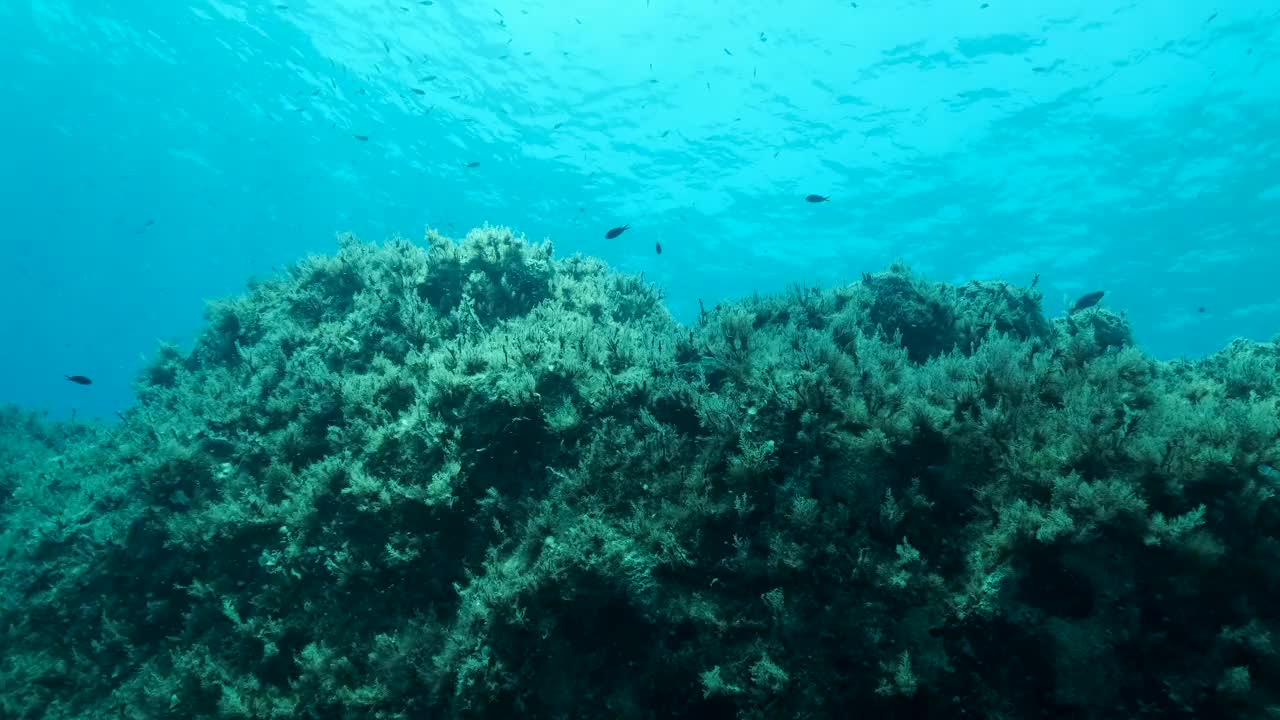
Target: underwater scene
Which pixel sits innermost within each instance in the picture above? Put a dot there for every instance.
(640, 359)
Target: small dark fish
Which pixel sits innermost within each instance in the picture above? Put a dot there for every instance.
(79, 379)
(418, 91)
(1200, 309)
(657, 247)
(726, 52)
(361, 138)
(473, 164)
(1087, 301)
(616, 232)
(817, 198)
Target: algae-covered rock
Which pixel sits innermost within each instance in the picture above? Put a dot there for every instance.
(932, 318)
(470, 479)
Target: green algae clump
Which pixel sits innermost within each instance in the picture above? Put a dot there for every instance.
(471, 479)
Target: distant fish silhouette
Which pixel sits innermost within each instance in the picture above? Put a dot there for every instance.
(79, 379)
(657, 247)
(817, 198)
(616, 232)
(1088, 301)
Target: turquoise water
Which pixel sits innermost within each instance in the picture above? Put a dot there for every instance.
(156, 155)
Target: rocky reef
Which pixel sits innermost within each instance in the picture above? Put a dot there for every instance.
(470, 479)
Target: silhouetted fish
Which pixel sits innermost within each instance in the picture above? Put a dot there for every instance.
(817, 198)
(657, 247)
(1088, 300)
(361, 138)
(616, 232)
(79, 379)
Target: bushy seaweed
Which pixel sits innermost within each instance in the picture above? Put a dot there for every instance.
(473, 480)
